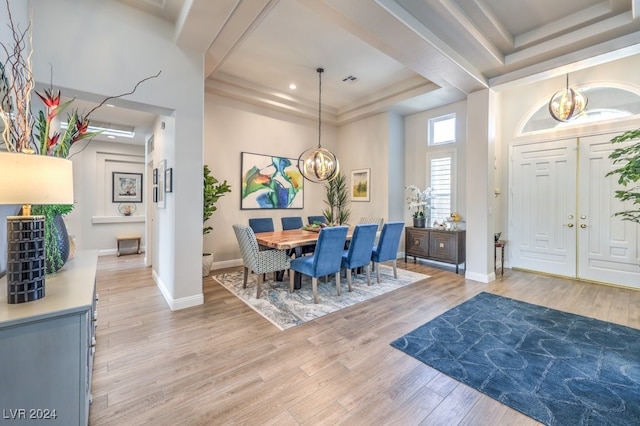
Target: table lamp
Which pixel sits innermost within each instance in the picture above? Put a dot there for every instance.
(30, 179)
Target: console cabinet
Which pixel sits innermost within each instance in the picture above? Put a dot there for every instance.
(47, 347)
(435, 244)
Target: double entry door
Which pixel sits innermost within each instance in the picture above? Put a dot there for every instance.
(561, 212)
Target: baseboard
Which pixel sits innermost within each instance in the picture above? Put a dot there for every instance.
(226, 264)
(483, 278)
(110, 252)
(177, 304)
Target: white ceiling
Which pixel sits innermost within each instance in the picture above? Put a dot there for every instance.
(407, 55)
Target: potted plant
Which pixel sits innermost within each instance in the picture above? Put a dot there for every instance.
(422, 201)
(213, 190)
(629, 173)
(337, 199)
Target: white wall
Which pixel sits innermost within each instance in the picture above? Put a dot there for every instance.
(95, 220)
(364, 144)
(416, 149)
(233, 127)
(104, 48)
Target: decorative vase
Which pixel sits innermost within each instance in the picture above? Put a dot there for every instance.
(207, 262)
(419, 222)
(61, 240)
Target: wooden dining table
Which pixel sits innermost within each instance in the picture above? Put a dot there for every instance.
(290, 239)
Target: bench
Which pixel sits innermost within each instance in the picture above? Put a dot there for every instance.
(129, 237)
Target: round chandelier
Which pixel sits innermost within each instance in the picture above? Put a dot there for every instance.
(567, 104)
(318, 164)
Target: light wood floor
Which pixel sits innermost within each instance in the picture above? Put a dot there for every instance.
(222, 363)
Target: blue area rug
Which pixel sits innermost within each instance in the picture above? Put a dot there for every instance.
(556, 367)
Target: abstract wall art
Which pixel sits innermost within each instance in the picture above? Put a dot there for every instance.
(270, 182)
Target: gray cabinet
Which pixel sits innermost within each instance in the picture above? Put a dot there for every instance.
(46, 349)
(435, 244)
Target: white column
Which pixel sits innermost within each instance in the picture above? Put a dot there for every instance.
(481, 124)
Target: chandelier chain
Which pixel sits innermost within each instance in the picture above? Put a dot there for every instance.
(320, 71)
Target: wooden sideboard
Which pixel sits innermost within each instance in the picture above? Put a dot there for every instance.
(47, 347)
(435, 244)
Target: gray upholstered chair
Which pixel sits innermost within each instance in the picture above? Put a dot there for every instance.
(377, 220)
(260, 262)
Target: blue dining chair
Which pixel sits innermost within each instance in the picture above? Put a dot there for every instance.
(387, 247)
(295, 222)
(316, 219)
(325, 260)
(359, 253)
(260, 262)
(261, 224)
(291, 223)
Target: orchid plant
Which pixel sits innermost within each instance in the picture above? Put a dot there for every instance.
(420, 200)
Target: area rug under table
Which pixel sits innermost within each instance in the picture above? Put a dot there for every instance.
(287, 310)
(556, 367)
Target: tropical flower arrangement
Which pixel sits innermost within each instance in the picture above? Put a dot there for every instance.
(421, 201)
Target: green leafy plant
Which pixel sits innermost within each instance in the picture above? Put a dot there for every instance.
(337, 199)
(629, 173)
(213, 190)
(51, 249)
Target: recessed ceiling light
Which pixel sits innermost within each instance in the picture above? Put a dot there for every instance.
(292, 86)
(111, 137)
(110, 105)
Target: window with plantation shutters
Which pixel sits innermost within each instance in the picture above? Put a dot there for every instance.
(441, 180)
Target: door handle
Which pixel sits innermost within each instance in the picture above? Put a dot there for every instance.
(583, 225)
(570, 225)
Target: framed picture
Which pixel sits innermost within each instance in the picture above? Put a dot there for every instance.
(126, 187)
(162, 166)
(270, 182)
(168, 180)
(360, 184)
(155, 176)
(155, 193)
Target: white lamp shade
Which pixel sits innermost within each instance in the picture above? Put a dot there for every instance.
(35, 179)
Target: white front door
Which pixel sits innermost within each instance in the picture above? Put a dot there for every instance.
(607, 245)
(562, 208)
(542, 228)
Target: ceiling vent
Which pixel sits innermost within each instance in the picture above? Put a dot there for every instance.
(350, 79)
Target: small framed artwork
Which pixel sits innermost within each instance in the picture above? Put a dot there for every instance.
(155, 176)
(126, 187)
(360, 184)
(155, 193)
(162, 166)
(168, 180)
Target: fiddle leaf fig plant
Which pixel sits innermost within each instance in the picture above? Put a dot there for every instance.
(629, 173)
(213, 190)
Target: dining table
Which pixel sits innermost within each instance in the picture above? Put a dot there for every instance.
(291, 239)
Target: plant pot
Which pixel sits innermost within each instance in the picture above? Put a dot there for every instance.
(207, 261)
(60, 239)
(419, 222)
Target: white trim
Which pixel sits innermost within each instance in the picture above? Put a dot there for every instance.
(482, 278)
(432, 121)
(177, 304)
(117, 219)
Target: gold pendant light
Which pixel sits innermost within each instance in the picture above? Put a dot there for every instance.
(567, 104)
(318, 164)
